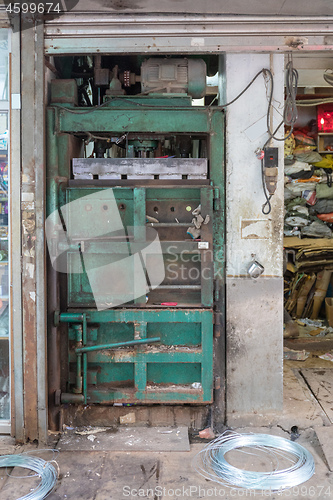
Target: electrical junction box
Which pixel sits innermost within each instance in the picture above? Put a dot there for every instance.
(271, 169)
(271, 157)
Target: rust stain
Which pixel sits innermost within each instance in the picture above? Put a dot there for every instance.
(296, 42)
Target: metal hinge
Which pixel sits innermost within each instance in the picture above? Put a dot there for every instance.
(216, 199)
(217, 383)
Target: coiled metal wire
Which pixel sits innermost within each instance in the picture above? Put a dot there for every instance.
(211, 462)
(45, 470)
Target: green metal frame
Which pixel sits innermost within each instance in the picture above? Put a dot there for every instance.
(79, 292)
(140, 358)
(144, 115)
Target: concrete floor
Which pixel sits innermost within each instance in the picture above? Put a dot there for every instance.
(104, 475)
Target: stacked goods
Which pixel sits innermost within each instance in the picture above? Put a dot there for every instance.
(307, 293)
(308, 277)
(308, 187)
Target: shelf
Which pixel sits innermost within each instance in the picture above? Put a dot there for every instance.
(324, 139)
(4, 337)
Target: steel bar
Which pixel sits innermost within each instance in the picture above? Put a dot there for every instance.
(67, 397)
(101, 347)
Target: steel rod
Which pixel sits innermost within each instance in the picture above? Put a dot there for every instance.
(118, 344)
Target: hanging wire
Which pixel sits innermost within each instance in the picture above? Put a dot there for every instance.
(45, 470)
(328, 76)
(211, 463)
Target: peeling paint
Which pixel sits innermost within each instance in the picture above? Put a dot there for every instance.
(27, 205)
(296, 42)
(28, 196)
(31, 269)
(255, 229)
(33, 296)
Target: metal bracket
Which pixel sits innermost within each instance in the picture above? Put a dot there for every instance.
(56, 318)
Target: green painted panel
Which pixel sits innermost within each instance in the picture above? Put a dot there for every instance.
(140, 315)
(159, 120)
(176, 333)
(173, 373)
(177, 193)
(117, 375)
(115, 332)
(85, 220)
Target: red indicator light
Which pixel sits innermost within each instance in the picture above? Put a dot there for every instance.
(325, 118)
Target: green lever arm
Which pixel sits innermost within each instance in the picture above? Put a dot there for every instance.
(114, 346)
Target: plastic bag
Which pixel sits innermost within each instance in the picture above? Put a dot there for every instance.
(325, 162)
(310, 197)
(323, 191)
(289, 145)
(299, 187)
(317, 229)
(297, 220)
(309, 157)
(323, 206)
(303, 149)
(296, 167)
(326, 217)
(302, 138)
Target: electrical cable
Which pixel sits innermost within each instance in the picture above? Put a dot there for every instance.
(290, 114)
(118, 98)
(45, 470)
(212, 464)
(268, 198)
(243, 91)
(315, 102)
(328, 76)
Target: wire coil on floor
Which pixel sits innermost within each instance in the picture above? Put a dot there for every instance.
(45, 470)
(212, 464)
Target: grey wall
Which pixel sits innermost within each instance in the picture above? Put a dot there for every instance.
(254, 307)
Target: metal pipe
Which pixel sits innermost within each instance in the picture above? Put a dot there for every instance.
(85, 359)
(79, 381)
(71, 317)
(67, 397)
(118, 344)
(53, 344)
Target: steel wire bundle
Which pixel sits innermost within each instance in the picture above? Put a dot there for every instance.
(211, 463)
(45, 470)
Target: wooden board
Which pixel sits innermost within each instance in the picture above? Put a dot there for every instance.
(321, 384)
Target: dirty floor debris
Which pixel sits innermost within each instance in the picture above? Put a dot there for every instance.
(127, 439)
(90, 474)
